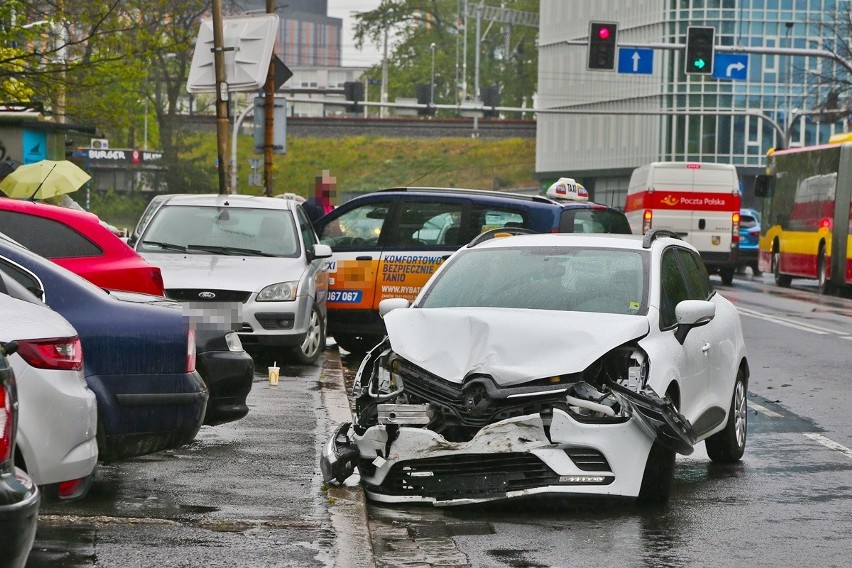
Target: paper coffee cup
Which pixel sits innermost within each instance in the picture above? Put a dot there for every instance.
(273, 375)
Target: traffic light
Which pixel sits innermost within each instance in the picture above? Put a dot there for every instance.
(698, 59)
(602, 44)
(354, 92)
(490, 98)
(424, 95)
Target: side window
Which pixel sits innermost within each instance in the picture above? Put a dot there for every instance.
(673, 288)
(427, 224)
(357, 228)
(49, 238)
(309, 237)
(484, 218)
(593, 221)
(696, 275)
(22, 279)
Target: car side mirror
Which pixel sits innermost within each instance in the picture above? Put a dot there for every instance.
(390, 304)
(319, 251)
(690, 314)
(131, 240)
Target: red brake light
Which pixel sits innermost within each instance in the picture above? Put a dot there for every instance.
(63, 353)
(825, 223)
(6, 422)
(190, 351)
(158, 279)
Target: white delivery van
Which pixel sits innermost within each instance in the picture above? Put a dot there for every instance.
(699, 201)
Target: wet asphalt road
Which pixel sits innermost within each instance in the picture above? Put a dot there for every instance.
(247, 493)
(236, 497)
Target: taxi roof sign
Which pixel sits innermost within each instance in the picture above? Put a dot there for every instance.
(566, 189)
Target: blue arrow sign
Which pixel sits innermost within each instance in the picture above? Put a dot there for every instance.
(733, 66)
(639, 61)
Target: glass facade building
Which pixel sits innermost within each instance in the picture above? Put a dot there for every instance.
(670, 116)
(306, 34)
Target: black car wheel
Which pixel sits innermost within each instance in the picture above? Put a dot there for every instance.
(825, 286)
(727, 275)
(782, 280)
(728, 445)
(658, 478)
(309, 351)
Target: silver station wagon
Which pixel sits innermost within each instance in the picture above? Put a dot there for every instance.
(249, 263)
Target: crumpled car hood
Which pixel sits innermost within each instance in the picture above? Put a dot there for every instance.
(249, 273)
(511, 345)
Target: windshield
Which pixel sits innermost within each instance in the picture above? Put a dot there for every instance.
(222, 230)
(543, 278)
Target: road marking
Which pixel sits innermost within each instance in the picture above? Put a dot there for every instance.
(763, 410)
(789, 323)
(830, 444)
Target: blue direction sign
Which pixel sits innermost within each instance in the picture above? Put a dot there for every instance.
(631, 60)
(733, 66)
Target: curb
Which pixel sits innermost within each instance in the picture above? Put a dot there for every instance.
(347, 505)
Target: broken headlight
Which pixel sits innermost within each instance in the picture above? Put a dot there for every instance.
(626, 365)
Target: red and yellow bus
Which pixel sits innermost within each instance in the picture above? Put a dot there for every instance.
(806, 226)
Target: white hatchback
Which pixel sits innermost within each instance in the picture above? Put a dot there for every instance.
(57, 423)
(558, 364)
(250, 263)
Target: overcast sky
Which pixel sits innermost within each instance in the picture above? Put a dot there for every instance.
(343, 9)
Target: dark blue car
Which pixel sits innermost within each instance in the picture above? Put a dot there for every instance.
(138, 358)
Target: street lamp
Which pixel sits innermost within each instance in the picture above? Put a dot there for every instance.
(432, 81)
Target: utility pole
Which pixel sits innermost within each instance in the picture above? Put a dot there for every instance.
(221, 100)
(269, 117)
(384, 97)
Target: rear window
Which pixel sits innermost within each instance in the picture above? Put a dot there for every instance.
(747, 222)
(594, 221)
(49, 238)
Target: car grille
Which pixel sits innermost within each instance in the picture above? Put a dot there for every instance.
(588, 459)
(449, 399)
(203, 295)
(468, 476)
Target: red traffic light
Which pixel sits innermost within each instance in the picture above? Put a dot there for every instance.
(602, 45)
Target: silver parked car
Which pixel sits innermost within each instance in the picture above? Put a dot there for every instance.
(246, 262)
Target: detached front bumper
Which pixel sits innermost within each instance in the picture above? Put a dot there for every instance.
(508, 459)
(229, 376)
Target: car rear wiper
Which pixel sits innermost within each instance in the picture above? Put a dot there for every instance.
(228, 250)
(167, 246)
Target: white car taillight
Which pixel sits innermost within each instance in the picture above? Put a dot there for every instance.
(62, 353)
(6, 421)
(190, 351)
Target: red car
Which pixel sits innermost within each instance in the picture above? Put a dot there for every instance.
(77, 240)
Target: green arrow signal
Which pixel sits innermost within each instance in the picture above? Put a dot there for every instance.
(698, 64)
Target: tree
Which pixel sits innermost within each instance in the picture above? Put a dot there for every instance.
(413, 25)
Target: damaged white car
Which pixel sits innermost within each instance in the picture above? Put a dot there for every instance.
(548, 364)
